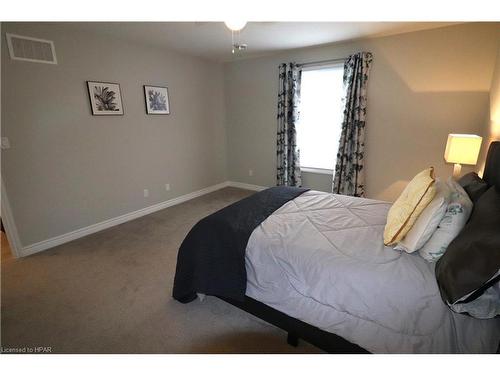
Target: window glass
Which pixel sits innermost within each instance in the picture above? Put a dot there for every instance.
(318, 130)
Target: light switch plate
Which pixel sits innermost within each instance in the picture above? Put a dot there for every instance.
(5, 143)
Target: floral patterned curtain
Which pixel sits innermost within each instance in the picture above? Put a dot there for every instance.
(288, 165)
(349, 173)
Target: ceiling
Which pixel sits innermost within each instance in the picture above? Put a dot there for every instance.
(212, 40)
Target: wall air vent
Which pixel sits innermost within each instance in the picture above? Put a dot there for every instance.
(31, 49)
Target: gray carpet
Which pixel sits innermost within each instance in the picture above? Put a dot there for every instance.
(110, 292)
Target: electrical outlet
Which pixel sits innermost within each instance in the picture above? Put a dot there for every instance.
(146, 193)
(167, 187)
(5, 143)
(250, 172)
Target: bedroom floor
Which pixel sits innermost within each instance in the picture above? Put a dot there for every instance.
(110, 292)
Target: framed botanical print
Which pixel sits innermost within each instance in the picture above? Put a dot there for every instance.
(156, 100)
(105, 98)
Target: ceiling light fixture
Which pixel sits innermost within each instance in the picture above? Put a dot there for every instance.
(236, 25)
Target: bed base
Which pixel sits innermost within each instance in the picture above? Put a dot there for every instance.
(297, 329)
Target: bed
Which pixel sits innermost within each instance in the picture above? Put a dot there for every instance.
(314, 264)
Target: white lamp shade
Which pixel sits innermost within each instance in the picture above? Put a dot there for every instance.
(462, 148)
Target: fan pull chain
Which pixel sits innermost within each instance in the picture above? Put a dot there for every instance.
(232, 42)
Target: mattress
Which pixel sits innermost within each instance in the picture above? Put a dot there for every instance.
(320, 258)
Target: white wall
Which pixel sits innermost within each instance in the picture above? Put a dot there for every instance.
(423, 85)
(492, 129)
(495, 101)
(67, 169)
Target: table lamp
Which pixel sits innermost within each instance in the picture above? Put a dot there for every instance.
(462, 149)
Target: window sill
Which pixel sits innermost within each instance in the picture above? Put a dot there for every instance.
(317, 170)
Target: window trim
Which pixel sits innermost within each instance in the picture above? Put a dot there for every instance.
(316, 170)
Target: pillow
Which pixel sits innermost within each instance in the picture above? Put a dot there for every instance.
(473, 185)
(471, 264)
(428, 220)
(486, 306)
(410, 204)
(457, 213)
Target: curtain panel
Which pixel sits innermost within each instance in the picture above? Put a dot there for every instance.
(348, 178)
(288, 159)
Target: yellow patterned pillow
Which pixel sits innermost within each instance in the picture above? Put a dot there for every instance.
(410, 204)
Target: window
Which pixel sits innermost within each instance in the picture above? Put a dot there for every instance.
(318, 130)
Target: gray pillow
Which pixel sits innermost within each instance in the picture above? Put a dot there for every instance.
(471, 263)
(474, 185)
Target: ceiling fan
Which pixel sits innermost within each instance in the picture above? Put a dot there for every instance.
(235, 25)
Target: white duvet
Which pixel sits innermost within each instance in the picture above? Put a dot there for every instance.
(320, 258)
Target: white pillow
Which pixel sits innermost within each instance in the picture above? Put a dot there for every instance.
(455, 218)
(428, 220)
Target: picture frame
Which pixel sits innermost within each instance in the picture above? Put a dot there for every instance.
(105, 98)
(157, 101)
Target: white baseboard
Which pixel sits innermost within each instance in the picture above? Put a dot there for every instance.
(59, 240)
(245, 186)
(82, 232)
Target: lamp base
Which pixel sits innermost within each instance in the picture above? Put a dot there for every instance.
(456, 171)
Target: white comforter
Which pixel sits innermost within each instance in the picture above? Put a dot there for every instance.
(320, 258)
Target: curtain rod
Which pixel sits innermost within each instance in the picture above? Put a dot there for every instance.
(323, 62)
